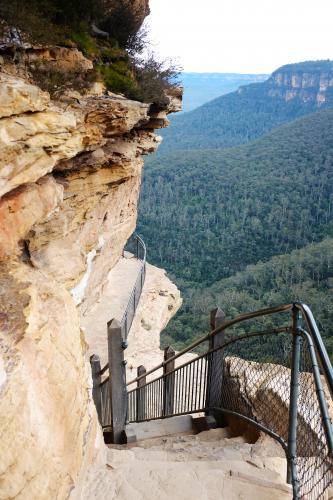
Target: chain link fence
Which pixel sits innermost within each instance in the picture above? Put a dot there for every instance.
(284, 395)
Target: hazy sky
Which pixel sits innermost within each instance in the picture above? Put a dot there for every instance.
(245, 36)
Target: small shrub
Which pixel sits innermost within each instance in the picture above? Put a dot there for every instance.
(53, 80)
(113, 54)
(118, 79)
(154, 77)
(84, 41)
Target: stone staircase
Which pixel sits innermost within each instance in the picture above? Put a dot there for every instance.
(210, 465)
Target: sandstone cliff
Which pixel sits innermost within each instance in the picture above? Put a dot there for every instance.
(311, 82)
(70, 173)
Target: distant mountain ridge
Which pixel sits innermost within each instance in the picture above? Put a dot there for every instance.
(309, 81)
(200, 88)
(253, 110)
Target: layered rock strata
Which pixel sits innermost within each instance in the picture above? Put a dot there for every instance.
(312, 83)
(70, 174)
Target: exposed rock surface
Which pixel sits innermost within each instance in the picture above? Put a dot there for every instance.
(213, 464)
(140, 9)
(46, 415)
(312, 82)
(70, 174)
(17, 96)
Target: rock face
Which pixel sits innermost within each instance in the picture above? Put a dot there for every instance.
(46, 416)
(310, 82)
(140, 8)
(70, 174)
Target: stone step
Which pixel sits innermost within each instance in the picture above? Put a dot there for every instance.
(216, 438)
(170, 460)
(146, 474)
(158, 428)
(183, 424)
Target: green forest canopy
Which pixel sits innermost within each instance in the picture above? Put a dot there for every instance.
(305, 275)
(244, 115)
(206, 215)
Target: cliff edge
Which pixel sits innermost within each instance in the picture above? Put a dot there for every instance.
(70, 174)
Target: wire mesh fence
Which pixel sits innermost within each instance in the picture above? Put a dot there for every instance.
(230, 379)
(314, 463)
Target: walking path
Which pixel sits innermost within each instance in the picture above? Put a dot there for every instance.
(212, 465)
(112, 304)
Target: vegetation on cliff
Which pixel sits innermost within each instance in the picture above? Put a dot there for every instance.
(206, 215)
(108, 32)
(324, 65)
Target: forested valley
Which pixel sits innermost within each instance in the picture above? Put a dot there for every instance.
(251, 111)
(305, 275)
(245, 227)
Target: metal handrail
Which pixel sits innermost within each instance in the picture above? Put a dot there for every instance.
(140, 243)
(308, 316)
(138, 285)
(227, 324)
(320, 392)
(187, 373)
(140, 280)
(210, 351)
(319, 345)
(203, 339)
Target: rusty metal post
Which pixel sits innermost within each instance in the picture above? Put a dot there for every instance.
(215, 363)
(141, 395)
(117, 380)
(95, 364)
(168, 382)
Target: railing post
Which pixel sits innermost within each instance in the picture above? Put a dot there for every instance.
(117, 380)
(142, 277)
(95, 364)
(215, 363)
(168, 382)
(294, 392)
(134, 298)
(141, 395)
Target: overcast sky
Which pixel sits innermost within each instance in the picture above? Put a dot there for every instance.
(244, 36)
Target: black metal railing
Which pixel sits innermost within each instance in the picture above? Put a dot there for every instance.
(137, 247)
(277, 379)
(102, 386)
